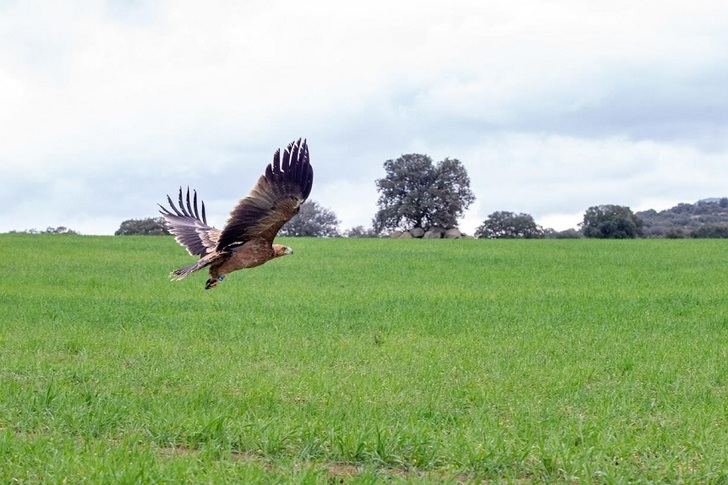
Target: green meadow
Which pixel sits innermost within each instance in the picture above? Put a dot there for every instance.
(364, 361)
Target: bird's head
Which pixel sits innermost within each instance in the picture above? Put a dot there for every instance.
(281, 250)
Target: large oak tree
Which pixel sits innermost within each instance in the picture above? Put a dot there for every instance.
(416, 192)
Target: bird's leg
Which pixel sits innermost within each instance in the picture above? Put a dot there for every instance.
(213, 281)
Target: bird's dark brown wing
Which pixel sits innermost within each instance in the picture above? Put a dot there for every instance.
(189, 228)
(276, 197)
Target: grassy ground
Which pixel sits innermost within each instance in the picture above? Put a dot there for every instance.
(365, 360)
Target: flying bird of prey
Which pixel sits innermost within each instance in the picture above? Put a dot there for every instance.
(246, 241)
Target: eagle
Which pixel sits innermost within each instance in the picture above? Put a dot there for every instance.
(246, 241)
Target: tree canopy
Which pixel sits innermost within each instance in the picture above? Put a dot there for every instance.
(611, 222)
(150, 226)
(312, 220)
(415, 192)
(504, 224)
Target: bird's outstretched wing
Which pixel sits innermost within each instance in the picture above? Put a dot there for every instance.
(190, 230)
(275, 198)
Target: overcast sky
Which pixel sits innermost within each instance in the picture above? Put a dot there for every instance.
(552, 106)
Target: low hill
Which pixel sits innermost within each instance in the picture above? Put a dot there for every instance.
(705, 218)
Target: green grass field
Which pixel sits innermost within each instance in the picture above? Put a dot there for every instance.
(365, 360)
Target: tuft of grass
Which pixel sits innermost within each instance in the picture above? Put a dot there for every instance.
(362, 360)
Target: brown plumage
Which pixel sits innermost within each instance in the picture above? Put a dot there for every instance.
(246, 240)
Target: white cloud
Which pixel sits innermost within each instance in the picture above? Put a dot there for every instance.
(553, 106)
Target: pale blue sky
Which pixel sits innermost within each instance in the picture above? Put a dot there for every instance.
(552, 106)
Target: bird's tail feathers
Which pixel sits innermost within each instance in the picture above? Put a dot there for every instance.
(184, 271)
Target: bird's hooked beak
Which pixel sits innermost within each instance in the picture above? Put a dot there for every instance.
(288, 251)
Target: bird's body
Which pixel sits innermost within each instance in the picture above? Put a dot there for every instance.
(251, 254)
(247, 239)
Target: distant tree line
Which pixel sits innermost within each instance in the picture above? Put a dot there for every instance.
(48, 230)
(422, 198)
(704, 219)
